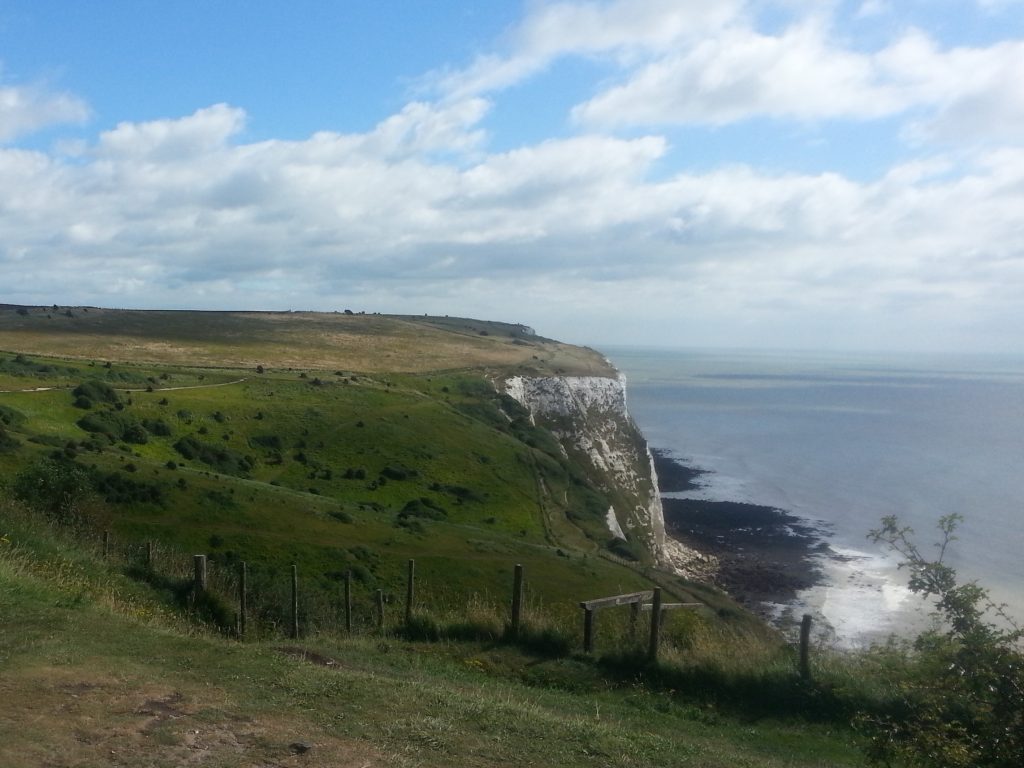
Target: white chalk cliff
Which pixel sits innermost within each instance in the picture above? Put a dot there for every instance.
(588, 415)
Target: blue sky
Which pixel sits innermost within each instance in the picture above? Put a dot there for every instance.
(751, 173)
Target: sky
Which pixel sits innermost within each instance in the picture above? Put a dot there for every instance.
(783, 174)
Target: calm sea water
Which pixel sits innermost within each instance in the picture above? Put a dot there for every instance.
(846, 440)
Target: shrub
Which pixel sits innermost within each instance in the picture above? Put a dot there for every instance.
(117, 489)
(459, 492)
(97, 391)
(422, 508)
(58, 489)
(222, 459)
(9, 417)
(158, 427)
(398, 472)
(962, 698)
(136, 434)
(271, 442)
(116, 425)
(7, 443)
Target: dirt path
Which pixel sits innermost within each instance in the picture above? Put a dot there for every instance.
(154, 389)
(191, 386)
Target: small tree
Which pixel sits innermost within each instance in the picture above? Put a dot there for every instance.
(963, 700)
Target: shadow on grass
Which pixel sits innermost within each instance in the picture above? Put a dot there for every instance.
(539, 641)
(775, 693)
(206, 606)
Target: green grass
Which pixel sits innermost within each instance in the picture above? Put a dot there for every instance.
(315, 468)
(101, 673)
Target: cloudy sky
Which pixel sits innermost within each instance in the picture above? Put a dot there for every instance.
(749, 173)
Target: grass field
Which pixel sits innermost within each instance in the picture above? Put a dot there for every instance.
(321, 341)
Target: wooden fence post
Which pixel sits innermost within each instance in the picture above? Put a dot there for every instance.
(588, 630)
(652, 651)
(634, 615)
(380, 610)
(348, 602)
(295, 602)
(199, 573)
(805, 651)
(242, 597)
(410, 591)
(517, 599)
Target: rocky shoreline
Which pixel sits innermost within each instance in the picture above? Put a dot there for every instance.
(765, 555)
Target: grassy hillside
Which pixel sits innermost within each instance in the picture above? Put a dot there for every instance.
(98, 670)
(333, 469)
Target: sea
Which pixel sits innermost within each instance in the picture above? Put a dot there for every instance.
(842, 440)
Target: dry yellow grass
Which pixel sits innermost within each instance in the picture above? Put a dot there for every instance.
(320, 341)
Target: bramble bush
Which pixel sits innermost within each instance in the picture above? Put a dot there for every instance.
(962, 700)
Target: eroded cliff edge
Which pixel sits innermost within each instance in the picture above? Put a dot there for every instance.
(589, 416)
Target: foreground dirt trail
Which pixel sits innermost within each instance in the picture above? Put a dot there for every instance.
(77, 719)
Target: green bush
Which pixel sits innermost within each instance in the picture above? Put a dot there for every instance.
(422, 508)
(9, 417)
(962, 696)
(398, 472)
(222, 459)
(115, 488)
(116, 425)
(58, 489)
(157, 427)
(97, 391)
(7, 443)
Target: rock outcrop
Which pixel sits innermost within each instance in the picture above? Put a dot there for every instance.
(588, 415)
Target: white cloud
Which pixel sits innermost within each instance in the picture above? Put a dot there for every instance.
(625, 28)
(741, 74)
(804, 74)
(358, 218)
(25, 109)
(998, 5)
(971, 92)
(872, 8)
(697, 63)
(202, 132)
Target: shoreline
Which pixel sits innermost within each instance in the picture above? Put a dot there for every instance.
(767, 556)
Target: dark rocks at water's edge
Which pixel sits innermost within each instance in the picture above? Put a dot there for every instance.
(674, 477)
(765, 555)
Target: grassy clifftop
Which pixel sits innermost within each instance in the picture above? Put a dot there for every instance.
(357, 342)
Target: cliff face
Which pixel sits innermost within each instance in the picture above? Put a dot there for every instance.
(588, 415)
